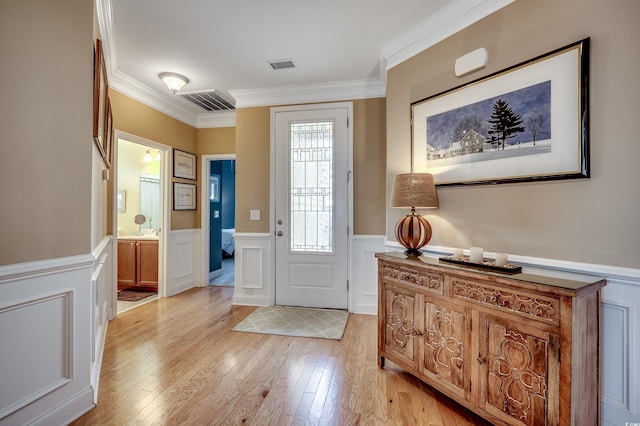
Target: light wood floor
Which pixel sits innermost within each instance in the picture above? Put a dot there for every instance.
(176, 361)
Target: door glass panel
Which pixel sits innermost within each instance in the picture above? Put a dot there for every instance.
(311, 188)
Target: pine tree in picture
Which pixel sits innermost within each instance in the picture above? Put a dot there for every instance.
(505, 123)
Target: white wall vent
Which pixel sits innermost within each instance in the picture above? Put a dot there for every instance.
(212, 100)
(282, 64)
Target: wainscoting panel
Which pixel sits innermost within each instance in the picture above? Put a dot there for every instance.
(620, 391)
(102, 296)
(254, 284)
(251, 275)
(46, 328)
(42, 350)
(184, 261)
(363, 291)
(615, 392)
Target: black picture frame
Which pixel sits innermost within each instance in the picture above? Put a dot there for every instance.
(462, 136)
(100, 97)
(184, 196)
(184, 165)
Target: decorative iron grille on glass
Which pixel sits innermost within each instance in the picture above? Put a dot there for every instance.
(311, 187)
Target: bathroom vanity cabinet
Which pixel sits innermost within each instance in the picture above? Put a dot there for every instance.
(137, 263)
(518, 349)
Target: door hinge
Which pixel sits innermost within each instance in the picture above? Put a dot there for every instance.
(349, 176)
(470, 325)
(348, 230)
(347, 122)
(347, 285)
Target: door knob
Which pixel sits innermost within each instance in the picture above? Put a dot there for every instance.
(279, 233)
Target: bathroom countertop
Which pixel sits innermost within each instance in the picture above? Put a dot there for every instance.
(138, 237)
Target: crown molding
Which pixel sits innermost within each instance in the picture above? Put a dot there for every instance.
(309, 93)
(445, 22)
(208, 120)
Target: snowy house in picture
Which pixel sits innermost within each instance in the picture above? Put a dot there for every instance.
(472, 142)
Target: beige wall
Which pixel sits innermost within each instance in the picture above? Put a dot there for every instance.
(253, 157)
(369, 162)
(138, 119)
(589, 220)
(252, 168)
(219, 140)
(46, 123)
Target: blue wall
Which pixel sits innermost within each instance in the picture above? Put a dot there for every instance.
(226, 207)
(228, 196)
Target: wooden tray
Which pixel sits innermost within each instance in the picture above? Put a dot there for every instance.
(488, 265)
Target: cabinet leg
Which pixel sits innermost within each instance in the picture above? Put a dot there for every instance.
(381, 362)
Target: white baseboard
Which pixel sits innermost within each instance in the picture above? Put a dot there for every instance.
(215, 274)
(70, 410)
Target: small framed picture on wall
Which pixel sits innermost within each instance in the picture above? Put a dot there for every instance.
(184, 196)
(184, 165)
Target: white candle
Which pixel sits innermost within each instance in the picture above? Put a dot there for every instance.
(475, 254)
(501, 259)
(457, 254)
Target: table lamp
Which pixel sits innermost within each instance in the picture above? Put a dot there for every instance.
(413, 190)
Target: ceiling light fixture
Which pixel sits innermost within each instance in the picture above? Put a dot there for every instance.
(147, 156)
(173, 80)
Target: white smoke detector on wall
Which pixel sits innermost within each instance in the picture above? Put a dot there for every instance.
(471, 62)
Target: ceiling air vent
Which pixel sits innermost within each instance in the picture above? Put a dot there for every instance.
(212, 100)
(282, 64)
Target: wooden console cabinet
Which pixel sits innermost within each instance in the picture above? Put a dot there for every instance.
(518, 349)
(137, 263)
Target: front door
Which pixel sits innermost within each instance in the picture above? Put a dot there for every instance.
(311, 181)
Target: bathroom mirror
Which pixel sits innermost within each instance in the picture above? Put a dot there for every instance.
(139, 220)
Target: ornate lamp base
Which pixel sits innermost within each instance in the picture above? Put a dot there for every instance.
(413, 232)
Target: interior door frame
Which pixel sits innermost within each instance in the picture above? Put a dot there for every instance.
(165, 188)
(272, 187)
(205, 167)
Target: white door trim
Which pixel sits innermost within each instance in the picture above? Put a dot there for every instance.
(205, 167)
(272, 187)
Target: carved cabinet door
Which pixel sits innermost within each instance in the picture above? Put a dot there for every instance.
(399, 323)
(519, 372)
(445, 344)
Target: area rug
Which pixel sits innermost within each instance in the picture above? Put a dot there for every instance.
(134, 295)
(301, 322)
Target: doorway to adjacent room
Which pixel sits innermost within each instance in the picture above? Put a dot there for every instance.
(219, 217)
(141, 210)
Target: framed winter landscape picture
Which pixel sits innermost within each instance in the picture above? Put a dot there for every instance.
(528, 122)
